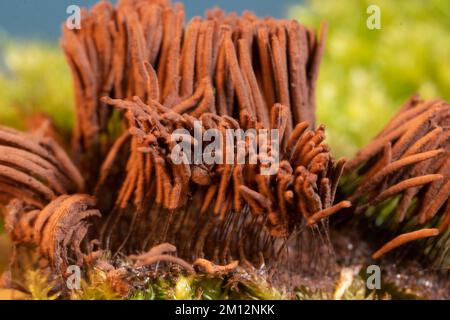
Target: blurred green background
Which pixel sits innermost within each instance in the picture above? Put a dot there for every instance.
(365, 76)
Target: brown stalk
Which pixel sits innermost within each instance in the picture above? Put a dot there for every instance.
(403, 239)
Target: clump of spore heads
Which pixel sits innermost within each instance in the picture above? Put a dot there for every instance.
(229, 72)
(404, 173)
(124, 205)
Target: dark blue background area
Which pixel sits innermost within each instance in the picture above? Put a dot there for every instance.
(42, 19)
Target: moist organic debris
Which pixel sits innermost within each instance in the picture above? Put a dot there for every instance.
(141, 76)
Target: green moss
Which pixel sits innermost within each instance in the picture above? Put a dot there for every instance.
(96, 286)
(257, 288)
(147, 294)
(212, 288)
(202, 287)
(40, 286)
(351, 285)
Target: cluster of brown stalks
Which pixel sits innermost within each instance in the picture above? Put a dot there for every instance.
(224, 72)
(224, 64)
(221, 211)
(34, 168)
(36, 177)
(227, 71)
(57, 230)
(407, 167)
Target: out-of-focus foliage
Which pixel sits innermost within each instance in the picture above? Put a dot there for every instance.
(367, 74)
(34, 78)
